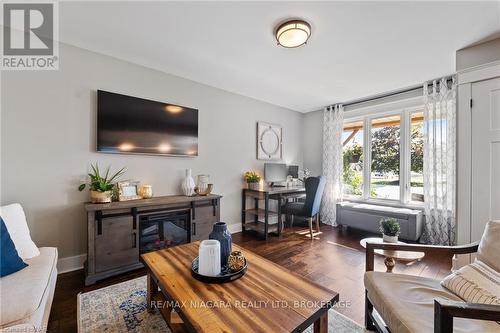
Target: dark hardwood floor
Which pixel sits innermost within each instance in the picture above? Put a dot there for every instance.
(333, 259)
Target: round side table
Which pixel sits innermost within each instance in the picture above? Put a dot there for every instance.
(390, 255)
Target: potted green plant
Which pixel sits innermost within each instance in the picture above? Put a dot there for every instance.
(389, 227)
(101, 186)
(252, 178)
(353, 154)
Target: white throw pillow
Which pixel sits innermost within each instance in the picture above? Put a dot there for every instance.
(15, 221)
(475, 283)
(489, 247)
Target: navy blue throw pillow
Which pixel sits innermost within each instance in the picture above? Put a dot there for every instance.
(10, 262)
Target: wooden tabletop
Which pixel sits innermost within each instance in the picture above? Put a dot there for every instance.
(162, 200)
(268, 298)
(277, 189)
(399, 255)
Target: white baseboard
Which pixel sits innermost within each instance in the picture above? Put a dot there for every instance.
(70, 264)
(234, 228)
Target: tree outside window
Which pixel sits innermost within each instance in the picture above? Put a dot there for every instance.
(352, 139)
(385, 157)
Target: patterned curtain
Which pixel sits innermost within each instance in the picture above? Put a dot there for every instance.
(440, 162)
(333, 123)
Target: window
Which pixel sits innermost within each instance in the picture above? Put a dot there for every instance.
(383, 157)
(417, 157)
(352, 176)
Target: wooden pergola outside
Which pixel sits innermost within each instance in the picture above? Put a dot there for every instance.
(378, 123)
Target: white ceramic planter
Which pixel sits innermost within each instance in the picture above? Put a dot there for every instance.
(390, 239)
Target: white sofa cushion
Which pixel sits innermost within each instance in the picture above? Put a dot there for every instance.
(27, 294)
(475, 283)
(15, 221)
(489, 247)
(406, 303)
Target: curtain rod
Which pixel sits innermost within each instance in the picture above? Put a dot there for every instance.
(449, 78)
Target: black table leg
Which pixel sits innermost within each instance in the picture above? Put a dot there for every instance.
(280, 222)
(243, 209)
(266, 215)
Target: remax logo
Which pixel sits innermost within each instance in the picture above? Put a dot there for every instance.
(29, 36)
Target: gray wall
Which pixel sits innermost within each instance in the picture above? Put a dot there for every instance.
(313, 142)
(47, 140)
(478, 54)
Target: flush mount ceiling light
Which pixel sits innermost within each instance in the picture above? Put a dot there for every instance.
(293, 33)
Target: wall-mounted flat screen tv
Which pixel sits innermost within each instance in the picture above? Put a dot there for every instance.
(132, 125)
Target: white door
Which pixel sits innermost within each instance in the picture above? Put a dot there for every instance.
(485, 155)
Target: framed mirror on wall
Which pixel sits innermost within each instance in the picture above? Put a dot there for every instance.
(269, 141)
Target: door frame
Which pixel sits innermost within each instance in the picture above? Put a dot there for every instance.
(466, 78)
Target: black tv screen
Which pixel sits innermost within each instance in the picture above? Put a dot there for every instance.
(134, 125)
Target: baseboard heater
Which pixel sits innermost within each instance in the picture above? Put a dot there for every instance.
(367, 216)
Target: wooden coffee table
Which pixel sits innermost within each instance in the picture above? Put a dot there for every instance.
(391, 256)
(268, 298)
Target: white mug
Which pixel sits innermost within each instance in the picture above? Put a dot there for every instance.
(209, 258)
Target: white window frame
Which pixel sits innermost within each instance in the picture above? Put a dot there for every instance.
(404, 109)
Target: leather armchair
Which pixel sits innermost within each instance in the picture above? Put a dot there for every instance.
(405, 303)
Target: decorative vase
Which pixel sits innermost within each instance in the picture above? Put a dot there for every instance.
(220, 233)
(209, 258)
(253, 186)
(101, 197)
(206, 192)
(188, 184)
(236, 261)
(203, 182)
(389, 239)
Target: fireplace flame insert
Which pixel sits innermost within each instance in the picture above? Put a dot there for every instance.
(162, 230)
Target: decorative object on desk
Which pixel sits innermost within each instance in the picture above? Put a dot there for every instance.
(225, 275)
(389, 227)
(304, 174)
(220, 233)
(188, 184)
(128, 190)
(269, 141)
(252, 179)
(236, 261)
(146, 191)
(207, 191)
(101, 186)
(209, 263)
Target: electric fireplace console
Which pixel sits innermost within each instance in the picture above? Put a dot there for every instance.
(119, 232)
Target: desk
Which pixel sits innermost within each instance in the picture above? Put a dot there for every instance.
(260, 222)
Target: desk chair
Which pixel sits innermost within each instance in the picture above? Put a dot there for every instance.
(309, 209)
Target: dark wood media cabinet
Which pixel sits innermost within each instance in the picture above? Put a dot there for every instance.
(116, 239)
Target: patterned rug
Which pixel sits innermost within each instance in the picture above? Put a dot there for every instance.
(121, 308)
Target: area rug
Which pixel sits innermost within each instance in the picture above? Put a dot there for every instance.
(121, 308)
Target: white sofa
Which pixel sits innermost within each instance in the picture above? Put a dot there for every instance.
(26, 295)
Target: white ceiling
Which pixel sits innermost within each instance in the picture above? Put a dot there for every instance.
(356, 49)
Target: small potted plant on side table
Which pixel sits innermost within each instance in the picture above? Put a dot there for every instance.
(253, 180)
(101, 187)
(389, 227)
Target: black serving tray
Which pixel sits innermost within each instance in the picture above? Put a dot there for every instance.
(225, 275)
